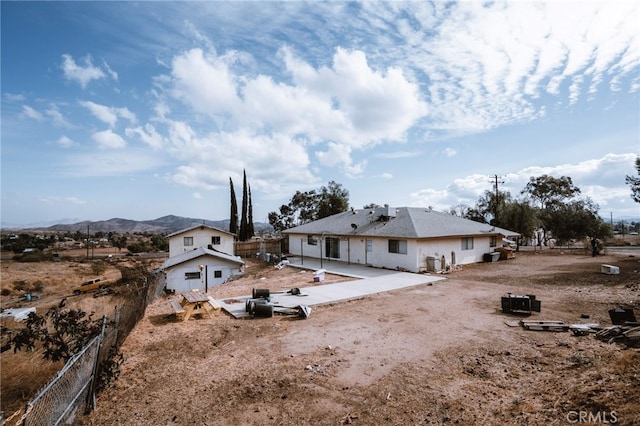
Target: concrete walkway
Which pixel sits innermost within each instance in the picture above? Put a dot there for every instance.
(367, 281)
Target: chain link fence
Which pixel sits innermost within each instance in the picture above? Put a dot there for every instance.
(72, 392)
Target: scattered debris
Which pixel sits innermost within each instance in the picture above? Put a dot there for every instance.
(520, 304)
(104, 291)
(627, 333)
(284, 262)
(548, 325)
(609, 269)
(583, 329)
(17, 314)
(261, 306)
(620, 315)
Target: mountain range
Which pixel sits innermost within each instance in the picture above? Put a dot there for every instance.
(165, 225)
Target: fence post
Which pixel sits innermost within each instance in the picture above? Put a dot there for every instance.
(94, 383)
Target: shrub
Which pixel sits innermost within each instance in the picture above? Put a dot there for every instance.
(98, 268)
(20, 285)
(37, 286)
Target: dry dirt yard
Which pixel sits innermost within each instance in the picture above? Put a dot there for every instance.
(431, 354)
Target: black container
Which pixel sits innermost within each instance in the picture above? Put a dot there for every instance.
(260, 293)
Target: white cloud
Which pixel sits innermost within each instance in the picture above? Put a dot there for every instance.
(450, 152)
(56, 116)
(85, 74)
(488, 64)
(15, 97)
(148, 135)
(107, 139)
(398, 154)
(337, 154)
(597, 178)
(65, 142)
(109, 115)
(56, 199)
(109, 163)
(348, 106)
(31, 113)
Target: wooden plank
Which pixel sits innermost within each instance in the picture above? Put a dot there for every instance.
(177, 307)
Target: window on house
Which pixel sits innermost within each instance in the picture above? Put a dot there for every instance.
(493, 242)
(192, 275)
(311, 241)
(217, 274)
(398, 246)
(188, 241)
(467, 243)
(369, 246)
(215, 240)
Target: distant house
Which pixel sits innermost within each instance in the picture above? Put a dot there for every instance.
(201, 236)
(199, 269)
(407, 238)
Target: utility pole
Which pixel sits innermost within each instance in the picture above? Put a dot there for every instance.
(87, 241)
(495, 183)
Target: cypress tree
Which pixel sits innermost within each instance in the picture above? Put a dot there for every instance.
(244, 229)
(233, 215)
(251, 232)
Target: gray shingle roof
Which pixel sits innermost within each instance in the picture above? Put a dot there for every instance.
(194, 254)
(409, 222)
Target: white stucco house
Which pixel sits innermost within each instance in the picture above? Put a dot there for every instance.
(407, 238)
(200, 257)
(201, 236)
(200, 269)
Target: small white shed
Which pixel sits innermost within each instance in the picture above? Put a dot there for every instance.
(200, 269)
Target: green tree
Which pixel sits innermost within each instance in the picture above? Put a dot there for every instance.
(334, 199)
(634, 183)
(518, 216)
(62, 333)
(486, 206)
(160, 242)
(251, 230)
(459, 210)
(547, 190)
(305, 207)
(233, 214)
(575, 220)
(118, 241)
(244, 224)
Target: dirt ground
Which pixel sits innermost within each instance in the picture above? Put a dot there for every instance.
(431, 354)
(23, 374)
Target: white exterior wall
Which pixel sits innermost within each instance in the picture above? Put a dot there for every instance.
(175, 276)
(353, 250)
(201, 238)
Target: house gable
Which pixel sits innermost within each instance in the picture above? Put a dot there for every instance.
(201, 236)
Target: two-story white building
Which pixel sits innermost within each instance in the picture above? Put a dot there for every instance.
(200, 257)
(201, 236)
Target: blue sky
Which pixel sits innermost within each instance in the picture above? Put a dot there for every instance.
(143, 109)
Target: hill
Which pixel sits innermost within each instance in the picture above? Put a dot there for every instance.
(162, 225)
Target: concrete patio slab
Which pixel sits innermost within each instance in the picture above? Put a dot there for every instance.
(366, 281)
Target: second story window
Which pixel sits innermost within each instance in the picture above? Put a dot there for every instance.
(215, 240)
(188, 241)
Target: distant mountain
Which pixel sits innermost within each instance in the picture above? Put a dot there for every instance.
(161, 225)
